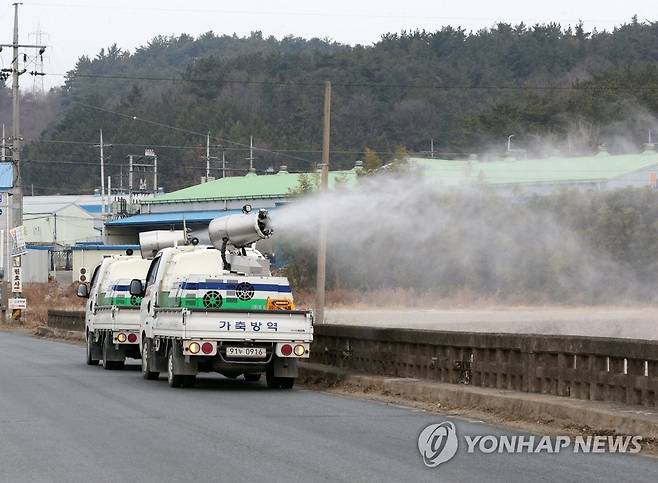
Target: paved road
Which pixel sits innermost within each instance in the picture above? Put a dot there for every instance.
(625, 322)
(63, 421)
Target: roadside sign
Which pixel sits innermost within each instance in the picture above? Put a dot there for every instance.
(18, 246)
(14, 304)
(16, 279)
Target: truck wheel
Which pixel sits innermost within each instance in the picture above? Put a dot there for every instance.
(252, 377)
(175, 380)
(90, 360)
(278, 382)
(110, 365)
(188, 381)
(147, 373)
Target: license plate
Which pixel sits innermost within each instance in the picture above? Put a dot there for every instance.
(253, 352)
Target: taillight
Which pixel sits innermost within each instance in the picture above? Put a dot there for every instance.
(300, 350)
(286, 349)
(132, 338)
(194, 348)
(207, 348)
(121, 337)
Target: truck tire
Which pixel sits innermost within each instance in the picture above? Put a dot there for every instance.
(110, 365)
(278, 382)
(90, 360)
(174, 380)
(147, 373)
(188, 381)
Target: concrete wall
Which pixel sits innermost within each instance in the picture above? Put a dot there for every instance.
(36, 266)
(66, 319)
(601, 369)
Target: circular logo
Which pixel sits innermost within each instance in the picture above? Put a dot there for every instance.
(212, 300)
(438, 443)
(135, 300)
(244, 291)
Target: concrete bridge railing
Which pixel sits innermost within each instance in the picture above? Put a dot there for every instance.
(590, 368)
(601, 369)
(67, 319)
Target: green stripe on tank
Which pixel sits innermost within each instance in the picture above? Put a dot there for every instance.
(126, 300)
(227, 303)
(192, 301)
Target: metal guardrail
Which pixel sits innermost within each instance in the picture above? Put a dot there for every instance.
(67, 319)
(590, 368)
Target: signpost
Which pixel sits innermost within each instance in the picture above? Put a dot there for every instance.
(18, 246)
(17, 304)
(16, 279)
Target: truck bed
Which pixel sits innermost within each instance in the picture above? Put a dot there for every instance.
(262, 325)
(111, 317)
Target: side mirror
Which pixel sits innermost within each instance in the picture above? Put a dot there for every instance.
(83, 291)
(136, 287)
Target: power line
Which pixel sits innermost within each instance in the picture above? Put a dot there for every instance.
(372, 85)
(220, 146)
(298, 13)
(183, 130)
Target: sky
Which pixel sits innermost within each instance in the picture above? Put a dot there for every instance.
(82, 27)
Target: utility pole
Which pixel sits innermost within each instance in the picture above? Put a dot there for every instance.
(251, 154)
(100, 145)
(432, 148)
(324, 185)
(130, 180)
(223, 164)
(17, 198)
(3, 142)
(207, 156)
(155, 174)
(16, 128)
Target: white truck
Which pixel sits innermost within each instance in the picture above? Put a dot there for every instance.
(112, 314)
(218, 308)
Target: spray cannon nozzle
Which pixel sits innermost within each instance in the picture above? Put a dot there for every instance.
(151, 242)
(240, 230)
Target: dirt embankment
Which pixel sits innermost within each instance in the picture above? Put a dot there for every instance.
(44, 296)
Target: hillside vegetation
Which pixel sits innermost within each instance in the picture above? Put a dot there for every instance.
(547, 84)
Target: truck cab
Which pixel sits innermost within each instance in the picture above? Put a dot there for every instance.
(111, 312)
(204, 310)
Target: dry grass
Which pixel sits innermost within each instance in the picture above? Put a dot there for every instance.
(394, 298)
(44, 296)
(462, 299)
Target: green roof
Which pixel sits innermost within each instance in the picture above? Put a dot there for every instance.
(250, 186)
(599, 168)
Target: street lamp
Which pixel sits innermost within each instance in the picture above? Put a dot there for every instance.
(509, 142)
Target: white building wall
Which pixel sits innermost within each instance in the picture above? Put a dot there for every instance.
(66, 226)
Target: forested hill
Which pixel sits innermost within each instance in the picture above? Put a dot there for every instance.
(547, 84)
